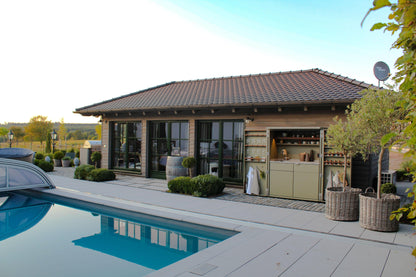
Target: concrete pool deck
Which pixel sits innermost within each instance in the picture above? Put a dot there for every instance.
(273, 241)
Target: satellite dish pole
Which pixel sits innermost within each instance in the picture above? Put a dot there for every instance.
(381, 71)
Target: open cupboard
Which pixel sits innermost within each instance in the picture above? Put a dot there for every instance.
(297, 162)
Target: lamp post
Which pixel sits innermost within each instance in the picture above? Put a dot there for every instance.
(11, 136)
(53, 136)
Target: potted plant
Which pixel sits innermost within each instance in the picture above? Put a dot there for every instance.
(379, 114)
(342, 203)
(57, 158)
(66, 161)
(96, 158)
(189, 163)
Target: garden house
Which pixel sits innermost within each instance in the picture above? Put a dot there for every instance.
(274, 123)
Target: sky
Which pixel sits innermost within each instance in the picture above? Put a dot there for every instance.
(57, 56)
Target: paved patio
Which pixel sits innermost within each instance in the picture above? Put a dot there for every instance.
(273, 241)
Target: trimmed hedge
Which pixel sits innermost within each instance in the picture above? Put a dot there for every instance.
(181, 184)
(82, 171)
(206, 185)
(101, 175)
(202, 185)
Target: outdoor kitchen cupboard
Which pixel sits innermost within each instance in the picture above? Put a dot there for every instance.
(294, 163)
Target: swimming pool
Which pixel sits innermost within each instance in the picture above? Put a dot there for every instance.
(40, 237)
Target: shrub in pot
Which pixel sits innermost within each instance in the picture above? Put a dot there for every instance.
(66, 161)
(96, 158)
(342, 203)
(189, 163)
(57, 157)
(380, 115)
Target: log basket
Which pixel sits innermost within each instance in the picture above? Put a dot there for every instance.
(342, 204)
(375, 213)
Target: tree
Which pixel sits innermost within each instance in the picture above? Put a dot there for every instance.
(378, 114)
(98, 129)
(402, 20)
(38, 128)
(62, 132)
(18, 133)
(346, 137)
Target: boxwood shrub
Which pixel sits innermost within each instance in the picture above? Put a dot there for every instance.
(44, 165)
(207, 185)
(388, 188)
(101, 175)
(82, 171)
(202, 185)
(181, 185)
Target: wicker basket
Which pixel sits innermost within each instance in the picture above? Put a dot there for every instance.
(375, 213)
(342, 204)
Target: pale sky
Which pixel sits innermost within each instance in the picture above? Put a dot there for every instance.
(56, 56)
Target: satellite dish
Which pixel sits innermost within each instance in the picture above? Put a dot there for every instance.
(381, 71)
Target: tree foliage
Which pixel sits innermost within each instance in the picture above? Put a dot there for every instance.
(378, 115)
(346, 137)
(39, 128)
(62, 132)
(402, 20)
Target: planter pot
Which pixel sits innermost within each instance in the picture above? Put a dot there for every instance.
(57, 163)
(66, 163)
(174, 168)
(342, 205)
(375, 213)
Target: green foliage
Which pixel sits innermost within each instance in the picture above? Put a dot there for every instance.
(82, 171)
(96, 158)
(58, 155)
(39, 156)
(388, 188)
(181, 184)
(378, 114)
(202, 185)
(189, 162)
(44, 165)
(101, 175)
(38, 128)
(207, 185)
(66, 158)
(3, 131)
(346, 136)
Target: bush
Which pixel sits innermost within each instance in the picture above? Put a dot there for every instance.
(66, 158)
(58, 155)
(388, 188)
(101, 175)
(206, 185)
(82, 171)
(44, 165)
(96, 158)
(39, 156)
(181, 185)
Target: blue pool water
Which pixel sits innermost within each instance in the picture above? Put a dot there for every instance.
(42, 238)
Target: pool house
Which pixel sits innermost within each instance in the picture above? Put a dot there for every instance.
(274, 123)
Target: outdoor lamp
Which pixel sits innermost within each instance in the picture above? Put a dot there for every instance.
(53, 135)
(10, 135)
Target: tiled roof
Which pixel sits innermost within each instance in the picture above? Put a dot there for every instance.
(285, 88)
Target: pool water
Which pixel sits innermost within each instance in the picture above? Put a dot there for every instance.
(40, 238)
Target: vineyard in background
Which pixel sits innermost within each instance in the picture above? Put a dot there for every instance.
(37, 147)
